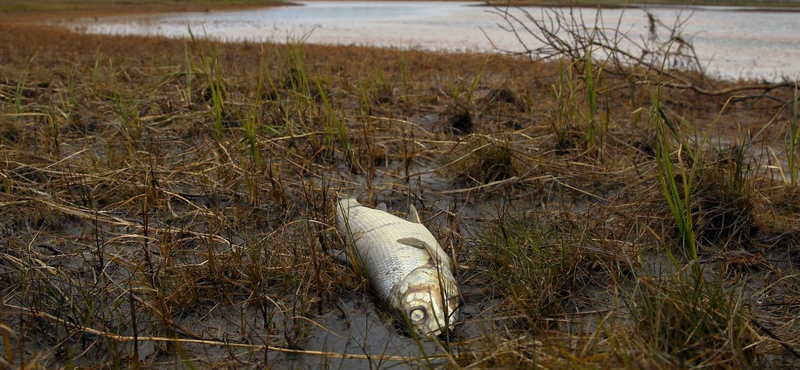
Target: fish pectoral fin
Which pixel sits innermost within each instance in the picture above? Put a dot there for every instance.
(413, 215)
(417, 243)
(414, 242)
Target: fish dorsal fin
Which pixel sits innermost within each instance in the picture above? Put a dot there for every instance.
(413, 215)
(434, 252)
(361, 189)
(381, 207)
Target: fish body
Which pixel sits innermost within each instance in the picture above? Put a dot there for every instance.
(405, 265)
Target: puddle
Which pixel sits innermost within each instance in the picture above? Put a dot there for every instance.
(359, 328)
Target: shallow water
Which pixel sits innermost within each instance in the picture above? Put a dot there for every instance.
(731, 42)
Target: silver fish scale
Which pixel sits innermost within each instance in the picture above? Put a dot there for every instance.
(375, 234)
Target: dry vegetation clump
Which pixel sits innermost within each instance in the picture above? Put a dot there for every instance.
(687, 323)
(725, 208)
(171, 202)
(545, 267)
(723, 203)
(499, 97)
(482, 160)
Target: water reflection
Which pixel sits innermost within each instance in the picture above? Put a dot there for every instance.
(733, 42)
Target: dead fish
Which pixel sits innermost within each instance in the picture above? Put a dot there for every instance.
(405, 265)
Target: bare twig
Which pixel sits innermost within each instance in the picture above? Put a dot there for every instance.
(665, 60)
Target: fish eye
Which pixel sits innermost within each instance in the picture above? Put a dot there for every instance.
(417, 314)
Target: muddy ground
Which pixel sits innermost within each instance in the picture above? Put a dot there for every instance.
(170, 203)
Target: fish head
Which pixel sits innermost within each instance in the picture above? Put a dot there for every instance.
(427, 299)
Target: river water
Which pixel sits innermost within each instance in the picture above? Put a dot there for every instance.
(730, 42)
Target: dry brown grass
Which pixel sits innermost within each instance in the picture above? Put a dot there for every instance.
(140, 228)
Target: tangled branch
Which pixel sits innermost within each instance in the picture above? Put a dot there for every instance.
(665, 56)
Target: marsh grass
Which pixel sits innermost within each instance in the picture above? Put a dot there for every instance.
(458, 116)
(171, 202)
(540, 264)
(563, 94)
(592, 73)
(710, 192)
(210, 70)
(794, 141)
(693, 322)
(676, 184)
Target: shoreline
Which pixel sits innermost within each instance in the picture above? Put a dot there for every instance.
(750, 6)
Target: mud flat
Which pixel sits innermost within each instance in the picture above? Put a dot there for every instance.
(170, 202)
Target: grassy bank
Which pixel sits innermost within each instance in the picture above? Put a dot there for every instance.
(26, 12)
(111, 6)
(170, 203)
